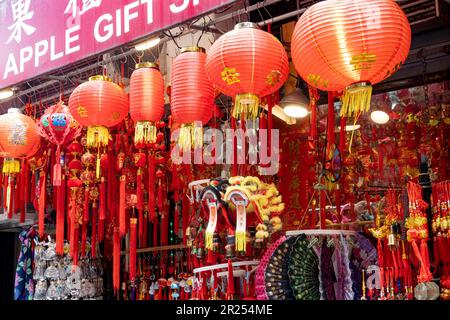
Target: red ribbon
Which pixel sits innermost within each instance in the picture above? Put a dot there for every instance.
(60, 217)
(133, 240)
(42, 204)
(122, 207)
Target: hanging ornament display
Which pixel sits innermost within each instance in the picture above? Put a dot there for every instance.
(192, 96)
(247, 63)
(146, 101)
(350, 45)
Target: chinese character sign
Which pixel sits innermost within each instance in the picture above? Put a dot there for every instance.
(43, 35)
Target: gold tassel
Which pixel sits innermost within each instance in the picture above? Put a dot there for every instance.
(240, 241)
(185, 138)
(11, 166)
(209, 240)
(356, 99)
(197, 136)
(145, 132)
(247, 104)
(97, 136)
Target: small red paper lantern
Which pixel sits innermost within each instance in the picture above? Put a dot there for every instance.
(146, 101)
(192, 95)
(247, 63)
(98, 104)
(350, 45)
(18, 139)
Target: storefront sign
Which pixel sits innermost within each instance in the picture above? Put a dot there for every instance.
(38, 36)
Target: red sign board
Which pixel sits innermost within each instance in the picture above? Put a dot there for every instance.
(37, 36)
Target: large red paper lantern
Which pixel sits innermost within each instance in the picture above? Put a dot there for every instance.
(98, 104)
(247, 63)
(192, 95)
(18, 139)
(350, 45)
(146, 101)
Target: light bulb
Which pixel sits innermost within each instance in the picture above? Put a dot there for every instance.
(6, 93)
(379, 117)
(147, 44)
(295, 111)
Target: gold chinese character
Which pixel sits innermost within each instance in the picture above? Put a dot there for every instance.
(82, 112)
(230, 76)
(363, 61)
(273, 78)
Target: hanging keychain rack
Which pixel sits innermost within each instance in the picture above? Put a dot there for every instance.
(225, 265)
(156, 249)
(320, 232)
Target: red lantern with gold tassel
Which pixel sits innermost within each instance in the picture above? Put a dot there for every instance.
(350, 45)
(247, 63)
(146, 101)
(18, 140)
(192, 96)
(98, 105)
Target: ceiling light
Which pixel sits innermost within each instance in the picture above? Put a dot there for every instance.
(295, 105)
(379, 117)
(6, 93)
(153, 42)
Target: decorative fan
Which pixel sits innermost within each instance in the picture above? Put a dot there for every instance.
(260, 287)
(332, 167)
(304, 270)
(363, 255)
(276, 277)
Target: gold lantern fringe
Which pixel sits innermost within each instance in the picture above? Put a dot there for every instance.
(356, 99)
(11, 166)
(190, 135)
(246, 104)
(97, 136)
(145, 132)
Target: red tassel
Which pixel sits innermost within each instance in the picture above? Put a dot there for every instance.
(5, 190)
(57, 169)
(185, 206)
(122, 208)
(101, 230)
(139, 192)
(94, 231)
(17, 194)
(116, 262)
(76, 244)
(86, 205)
(22, 202)
(33, 187)
(331, 119)
(144, 233)
(133, 240)
(11, 197)
(313, 126)
(60, 217)
(164, 230)
(42, 204)
(160, 196)
(102, 204)
(230, 283)
(83, 239)
(141, 227)
(151, 187)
